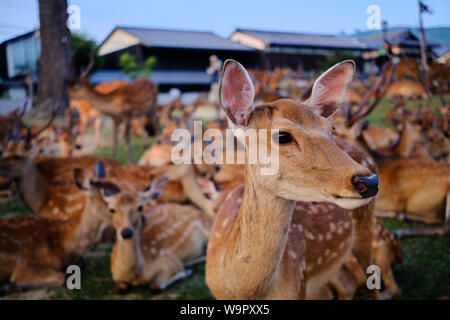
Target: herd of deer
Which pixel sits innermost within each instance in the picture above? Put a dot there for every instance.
(309, 231)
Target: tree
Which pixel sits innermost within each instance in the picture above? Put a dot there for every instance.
(56, 54)
(131, 68)
(83, 46)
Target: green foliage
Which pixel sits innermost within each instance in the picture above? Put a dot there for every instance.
(332, 59)
(83, 46)
(129, 65)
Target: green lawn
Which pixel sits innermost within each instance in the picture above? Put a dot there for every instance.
(425, 273)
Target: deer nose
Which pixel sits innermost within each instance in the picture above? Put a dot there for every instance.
(126, 233)
(366, 186)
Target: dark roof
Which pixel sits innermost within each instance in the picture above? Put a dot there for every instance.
(304, 39)
(397, 37)
(21, 36)
(183, 39)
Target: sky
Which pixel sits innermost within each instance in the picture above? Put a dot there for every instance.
(99, 17)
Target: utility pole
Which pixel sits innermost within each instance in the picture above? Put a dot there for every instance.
(423, 55)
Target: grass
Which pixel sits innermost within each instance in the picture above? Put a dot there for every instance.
(424, 274)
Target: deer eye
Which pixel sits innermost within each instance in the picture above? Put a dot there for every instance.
(140, 208)
(282, 137)
(112, 210)
(16, 157)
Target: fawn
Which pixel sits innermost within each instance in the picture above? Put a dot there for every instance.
(35, 250)
(153, 243)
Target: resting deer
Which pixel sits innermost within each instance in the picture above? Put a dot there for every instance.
(35, 250)
(153, 244)
(255, 251)
(45, 184)
(123, 104)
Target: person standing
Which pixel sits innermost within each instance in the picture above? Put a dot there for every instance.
(215, 66)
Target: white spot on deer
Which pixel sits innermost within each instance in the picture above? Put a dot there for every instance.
(327, 252)
(55, 210)
(320, 237)
(332, 227)
(225, 223)
(328, 236)
(309, 235)
(346, 224)
(334, 255)
(319, 261)
(292, 254)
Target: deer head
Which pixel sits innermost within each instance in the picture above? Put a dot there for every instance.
(311, 166)
(127, 208)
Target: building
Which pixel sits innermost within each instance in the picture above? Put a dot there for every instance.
(183, 56)
(19, 58)
(289, 49)
(403, 42)
(19, 55)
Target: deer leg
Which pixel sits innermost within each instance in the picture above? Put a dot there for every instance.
(83, 125)
(128, 140)
(97, 128)
(444, 230)
(164, 284)
(171, 270)
(195, 261)
(27, 277)
(116, 137)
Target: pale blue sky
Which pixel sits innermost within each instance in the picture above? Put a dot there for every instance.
(98, 17)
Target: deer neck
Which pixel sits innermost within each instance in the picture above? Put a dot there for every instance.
(33, 187)
(407, 141)
(128, 258)
(257, 241)
(82, 231)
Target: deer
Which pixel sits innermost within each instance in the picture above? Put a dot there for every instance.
(45, 184)
(123, 104)
(407, 89)
(35, 250)
(255, 251)
(154, 242)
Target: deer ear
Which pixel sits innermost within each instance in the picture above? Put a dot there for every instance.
(236, 92)
(155, 190)
(107, 188)
(330, 88)
(99, 170)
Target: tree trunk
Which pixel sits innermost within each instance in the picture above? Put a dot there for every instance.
(56, 54)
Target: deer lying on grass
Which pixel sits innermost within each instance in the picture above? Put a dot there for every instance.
(124, 103)
(256, 231)
(35, 250)
(45, 184)
(153, 244)
(407, 89)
